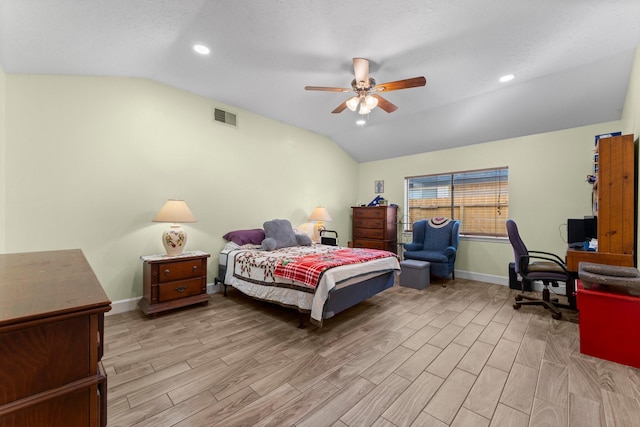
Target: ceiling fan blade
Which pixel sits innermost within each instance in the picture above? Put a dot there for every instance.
(401, 84)
(361, 70)
(384, 104)
(340, 108)
(328, 89)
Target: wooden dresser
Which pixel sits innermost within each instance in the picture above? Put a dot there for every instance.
(51, 341)
(375, 227)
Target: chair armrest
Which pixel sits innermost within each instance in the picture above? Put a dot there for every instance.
(412, 246)
(548, 255)
(450, 251)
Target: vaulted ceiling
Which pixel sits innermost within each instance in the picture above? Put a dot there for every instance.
(571, 59)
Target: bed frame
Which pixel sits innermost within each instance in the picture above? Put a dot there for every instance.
(339, 299)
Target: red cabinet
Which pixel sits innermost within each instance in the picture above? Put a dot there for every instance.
(609, 325)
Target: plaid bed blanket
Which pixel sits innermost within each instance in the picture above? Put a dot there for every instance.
(308, 269)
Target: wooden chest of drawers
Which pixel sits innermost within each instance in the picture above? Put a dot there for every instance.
(51, 341)
(174, 281)
(375, 228)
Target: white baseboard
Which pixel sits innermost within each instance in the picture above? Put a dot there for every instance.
(123, 306)
(131, 304)
(560, 290)
(213, 288)
(503, 280)
(488, 278)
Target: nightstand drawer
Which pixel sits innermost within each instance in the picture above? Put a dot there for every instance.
(179, 270)
(181, 289)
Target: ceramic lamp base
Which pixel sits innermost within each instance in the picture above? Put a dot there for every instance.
(319, 226)
(174, 240)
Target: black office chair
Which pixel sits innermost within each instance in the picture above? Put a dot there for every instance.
(536, 265)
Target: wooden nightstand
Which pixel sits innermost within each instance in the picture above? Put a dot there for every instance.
(174, 281)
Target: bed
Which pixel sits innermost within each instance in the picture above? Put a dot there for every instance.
(319, 279)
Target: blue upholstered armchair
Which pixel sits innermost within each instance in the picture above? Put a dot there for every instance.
(436, 241)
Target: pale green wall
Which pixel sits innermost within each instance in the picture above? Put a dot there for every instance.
(547, 174)
(91, 160)
(547, 183)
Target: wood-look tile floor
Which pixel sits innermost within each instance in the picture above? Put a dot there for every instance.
(458, 355)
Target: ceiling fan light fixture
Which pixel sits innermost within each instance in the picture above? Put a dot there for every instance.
(364, 87)
(352, 103)
(371, 102)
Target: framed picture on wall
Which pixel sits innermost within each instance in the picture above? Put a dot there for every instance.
(379, 186)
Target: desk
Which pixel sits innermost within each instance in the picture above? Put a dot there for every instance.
(575, 257)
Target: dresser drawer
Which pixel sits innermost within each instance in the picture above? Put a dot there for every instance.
(181, 289)
(180, 270)
(368, 233)
(369, 244)
(369, 223)
(380, 213)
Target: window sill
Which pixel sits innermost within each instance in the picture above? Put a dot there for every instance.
(485, 239)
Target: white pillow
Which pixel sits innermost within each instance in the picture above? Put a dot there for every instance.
(306, 228)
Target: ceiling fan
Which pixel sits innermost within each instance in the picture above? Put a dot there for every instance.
(365, 87)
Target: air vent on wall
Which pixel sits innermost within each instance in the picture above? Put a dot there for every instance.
(224, 117)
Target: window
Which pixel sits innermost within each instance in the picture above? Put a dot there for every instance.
(479, 199)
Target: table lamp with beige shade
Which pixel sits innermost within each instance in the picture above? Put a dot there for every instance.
(175, 238)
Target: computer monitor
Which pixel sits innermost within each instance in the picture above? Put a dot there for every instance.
(590, 227)
(576, 232)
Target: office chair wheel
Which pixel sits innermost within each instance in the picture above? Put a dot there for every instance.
(557, 316)
(516, 306)
(518, 297)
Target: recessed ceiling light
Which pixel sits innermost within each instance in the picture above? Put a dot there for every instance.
(361, 122)
(507, 78)
(201, 49)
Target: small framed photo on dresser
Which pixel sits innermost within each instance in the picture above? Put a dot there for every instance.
(379, 186)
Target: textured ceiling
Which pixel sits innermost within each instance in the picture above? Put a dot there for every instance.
(572, 60)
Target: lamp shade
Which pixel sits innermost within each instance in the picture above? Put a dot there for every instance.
(320, 214)
(352, 103)
(371, 101)
(175, 211)
(175, 238)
